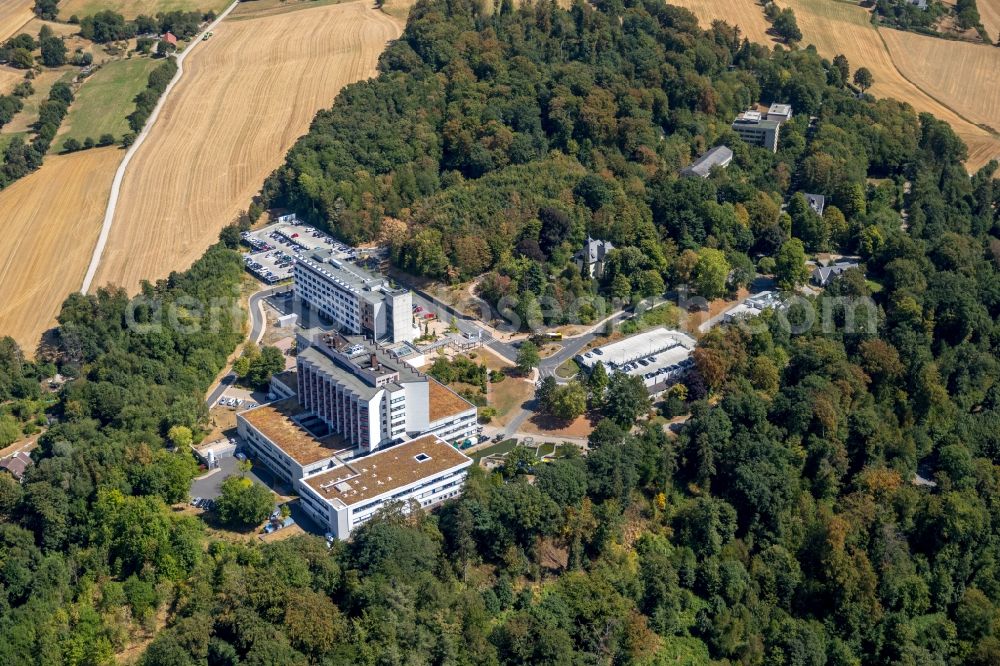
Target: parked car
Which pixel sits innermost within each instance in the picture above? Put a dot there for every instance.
(196, 501)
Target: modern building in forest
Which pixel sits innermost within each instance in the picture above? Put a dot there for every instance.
(356, 301)
(362, 429)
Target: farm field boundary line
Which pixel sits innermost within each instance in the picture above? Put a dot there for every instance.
(11, 17)
(228, 125)
(892, 59)
(109, 213)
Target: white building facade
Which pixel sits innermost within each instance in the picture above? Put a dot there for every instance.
(358, 302)
(371, 399)
(426, 471)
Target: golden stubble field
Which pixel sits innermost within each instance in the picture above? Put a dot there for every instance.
(13, 15)
(989, 14)
(964, 75)
(840, 27)
(51, 219)
(245, 97)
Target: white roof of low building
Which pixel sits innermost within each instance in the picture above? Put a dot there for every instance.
(720, 156)
(643, 345)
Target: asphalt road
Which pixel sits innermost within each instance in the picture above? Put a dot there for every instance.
(258, 321)
(572, 346)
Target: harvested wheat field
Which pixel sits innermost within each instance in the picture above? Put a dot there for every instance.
(747, 15)
(989, 15)
(13, 15)
(132, 8)
(51, 221)
(965, 75)
(246, 95)
(840, 27)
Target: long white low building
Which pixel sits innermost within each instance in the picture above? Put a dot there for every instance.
(358, 427)
(659, 356)
(339, 486)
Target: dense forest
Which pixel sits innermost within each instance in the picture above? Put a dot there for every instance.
(781, 527)
(497, 144)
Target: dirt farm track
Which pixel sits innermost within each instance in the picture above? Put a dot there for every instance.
(246, 95)
(50, 223)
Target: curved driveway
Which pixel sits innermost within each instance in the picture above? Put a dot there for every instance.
(258, 322)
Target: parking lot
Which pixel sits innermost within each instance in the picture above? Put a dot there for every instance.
(209, 486)
(237, 399)
(274, 248)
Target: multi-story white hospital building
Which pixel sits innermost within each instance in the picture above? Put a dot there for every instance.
(358, 302)
(364, 429)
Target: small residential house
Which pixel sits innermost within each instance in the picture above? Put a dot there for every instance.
(170, 38)
(816, 201)
(822, 275)
(591, 257)
(17, 464)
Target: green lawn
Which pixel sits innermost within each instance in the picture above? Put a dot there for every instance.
(105, 100)
(506, 446)
(568, 369)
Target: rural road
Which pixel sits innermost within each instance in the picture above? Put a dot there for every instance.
(116, 184)
(258, 322)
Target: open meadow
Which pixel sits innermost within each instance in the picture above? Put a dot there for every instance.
(748, 15)
(132, 8)
(42, 84)
(105, 100)
(13, 15)
(50, 224)
(836, 27)
(246, 95)
(9, 77)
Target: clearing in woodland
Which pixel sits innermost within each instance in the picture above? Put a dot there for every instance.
(132, 8)
(246, 95)
(841, 27)
(13, 15)
(9, 77)
(51, 221)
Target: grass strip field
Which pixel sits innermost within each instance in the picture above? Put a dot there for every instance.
(13, 15)
(42, 84)
(9, 77)
(50, 225)
(132, 8)
(246, 95)
(105, 100)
